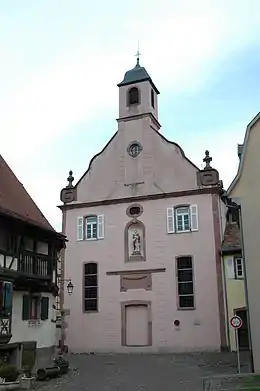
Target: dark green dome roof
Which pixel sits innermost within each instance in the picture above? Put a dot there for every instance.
(137, 75)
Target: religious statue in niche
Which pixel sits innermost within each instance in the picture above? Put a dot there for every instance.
(135, 241)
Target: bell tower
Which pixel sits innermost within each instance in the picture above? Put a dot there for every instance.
(137, 94)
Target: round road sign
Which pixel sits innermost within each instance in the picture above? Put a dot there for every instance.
(236, 322)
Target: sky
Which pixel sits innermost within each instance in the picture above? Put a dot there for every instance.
(61, 61)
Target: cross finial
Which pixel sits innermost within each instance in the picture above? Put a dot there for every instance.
(207, 159)
(138, 54)
(70, 179)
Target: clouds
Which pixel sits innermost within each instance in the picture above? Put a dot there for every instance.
(63, 60)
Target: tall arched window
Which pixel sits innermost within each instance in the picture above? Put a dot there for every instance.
(133, 96)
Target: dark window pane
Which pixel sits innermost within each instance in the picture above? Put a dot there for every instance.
(186, 222)
(90, 268)
(135, 210)
(133, 96)
(91, 293)
(184, 275)
(185, 288)
(184, 263)
(91, 219)
(186, 301)
(89, 231)
(94, 232)
(152, 98)
(179, 223)
(91, 280)
(91, 305)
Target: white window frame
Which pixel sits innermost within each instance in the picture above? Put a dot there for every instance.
(176, 214)
(91, 224)
(237, 276)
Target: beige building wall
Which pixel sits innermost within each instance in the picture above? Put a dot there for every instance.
(247, 189)
(235, 296)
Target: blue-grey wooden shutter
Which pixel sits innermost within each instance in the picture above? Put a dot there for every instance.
(26, 307)
(44, 308)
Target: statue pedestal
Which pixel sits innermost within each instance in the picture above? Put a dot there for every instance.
(135, 257)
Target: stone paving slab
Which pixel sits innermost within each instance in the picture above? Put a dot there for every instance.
(158, 372)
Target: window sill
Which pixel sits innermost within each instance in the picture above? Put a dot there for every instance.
(91, 312)
(135, 258)
(92, 239)
(186, 308)
(184, 232)
(34, 322)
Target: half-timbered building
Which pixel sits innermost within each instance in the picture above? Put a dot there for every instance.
(29, 247)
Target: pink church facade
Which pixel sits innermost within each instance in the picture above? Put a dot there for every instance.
(144, 227)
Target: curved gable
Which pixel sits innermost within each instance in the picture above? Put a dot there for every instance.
(250, 126)
(162, 167)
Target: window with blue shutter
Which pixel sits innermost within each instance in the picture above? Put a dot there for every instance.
(7, 297)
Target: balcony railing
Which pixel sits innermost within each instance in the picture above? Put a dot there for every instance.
(35, 264)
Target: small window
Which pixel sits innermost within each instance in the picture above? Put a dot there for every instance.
(91, 227)
(133, 96)
(135, 211)
(90, 287)
(134, 149)
(31, 307)
(185, 283)
(182, 219)
(152, 98)
(239, 269)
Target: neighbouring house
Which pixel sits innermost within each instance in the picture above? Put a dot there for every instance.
(29, 248)
(144, 228)
(233, 274)
(245, 191)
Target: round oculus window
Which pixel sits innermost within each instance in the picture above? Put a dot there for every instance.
(134, 149)
(135, 211)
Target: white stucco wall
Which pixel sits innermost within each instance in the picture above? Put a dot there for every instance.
(44, 334)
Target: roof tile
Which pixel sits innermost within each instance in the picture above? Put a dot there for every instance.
(16, 202)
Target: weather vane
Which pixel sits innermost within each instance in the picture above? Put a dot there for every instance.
(138, 54)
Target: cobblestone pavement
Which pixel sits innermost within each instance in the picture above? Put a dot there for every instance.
(162, 372)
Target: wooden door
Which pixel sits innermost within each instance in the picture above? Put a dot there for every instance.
(243, 331)
(136, 325)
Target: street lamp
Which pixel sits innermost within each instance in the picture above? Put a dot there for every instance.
(70, 288)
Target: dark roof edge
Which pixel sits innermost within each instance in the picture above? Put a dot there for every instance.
(122, 83)
(30, 222)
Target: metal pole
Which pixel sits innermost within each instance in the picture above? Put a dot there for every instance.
(238, 355)
(246, 290)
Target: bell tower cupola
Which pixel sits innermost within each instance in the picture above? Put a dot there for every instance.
(137, 94)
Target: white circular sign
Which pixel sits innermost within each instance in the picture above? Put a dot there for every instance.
(236, 322)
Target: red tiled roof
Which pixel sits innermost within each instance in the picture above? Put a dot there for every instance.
(16, 202)
(232, 237)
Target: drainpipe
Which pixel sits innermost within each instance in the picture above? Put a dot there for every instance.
(246, 290)
(223, 264)
(237, 206)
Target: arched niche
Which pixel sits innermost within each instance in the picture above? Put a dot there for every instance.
(135, 241)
